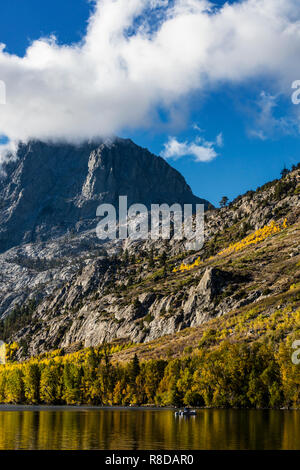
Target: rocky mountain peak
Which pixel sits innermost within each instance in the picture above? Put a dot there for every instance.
(52, 188)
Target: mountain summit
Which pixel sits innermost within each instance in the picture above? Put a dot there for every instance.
(52, 188)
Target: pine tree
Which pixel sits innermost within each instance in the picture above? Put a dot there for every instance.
(134, 368)
(31, 379)
(125, 257)
(151, 258)
(284, 172)
(163, 258)
(224, 201)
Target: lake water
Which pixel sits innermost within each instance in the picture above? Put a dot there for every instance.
(138, 429)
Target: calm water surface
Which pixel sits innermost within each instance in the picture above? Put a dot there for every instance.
(98, 428)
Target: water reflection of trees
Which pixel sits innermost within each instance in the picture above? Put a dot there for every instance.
(149, 429)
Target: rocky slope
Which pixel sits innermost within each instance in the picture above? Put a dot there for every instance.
(48, 200)
(87, 294)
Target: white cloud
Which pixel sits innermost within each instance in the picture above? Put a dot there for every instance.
(266, 123)
(174, 149)
(114, 80)
(220, 140)
(197, 128)
(7, 150)
(200, 149)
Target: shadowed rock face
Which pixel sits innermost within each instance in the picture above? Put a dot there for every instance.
(51, 189)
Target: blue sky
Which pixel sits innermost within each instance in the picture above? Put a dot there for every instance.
(256, 119)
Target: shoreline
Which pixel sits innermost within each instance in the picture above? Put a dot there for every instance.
(21, 407)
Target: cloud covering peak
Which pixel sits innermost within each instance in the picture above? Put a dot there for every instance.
(141, 54)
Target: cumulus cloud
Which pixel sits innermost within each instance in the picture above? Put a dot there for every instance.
(201, 149)
(141, 54)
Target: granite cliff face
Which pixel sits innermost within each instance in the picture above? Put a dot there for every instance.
(52, 189)
(60, 286)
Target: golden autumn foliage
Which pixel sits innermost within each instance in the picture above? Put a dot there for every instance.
(243, 361)
(228, 375)
(256, 237)
(253, 239)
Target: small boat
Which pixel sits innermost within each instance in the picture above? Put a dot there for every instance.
(185, 412)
